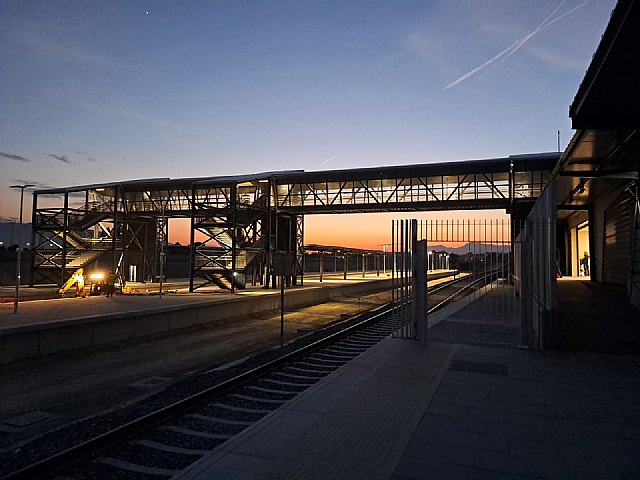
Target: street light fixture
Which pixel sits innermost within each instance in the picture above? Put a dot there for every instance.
(18, 262)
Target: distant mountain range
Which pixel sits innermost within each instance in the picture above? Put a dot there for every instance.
(476, 248)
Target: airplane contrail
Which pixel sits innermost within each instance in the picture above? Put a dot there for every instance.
(328, 159)
(481, 67)
(515, 46)
(526, 38)
(547, 23)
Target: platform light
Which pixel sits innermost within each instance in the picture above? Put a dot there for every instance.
(19, 252)
(97, 276)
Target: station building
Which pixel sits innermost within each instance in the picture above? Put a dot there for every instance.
(582, 200)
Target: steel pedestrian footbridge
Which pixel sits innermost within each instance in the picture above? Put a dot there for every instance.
(239, 224)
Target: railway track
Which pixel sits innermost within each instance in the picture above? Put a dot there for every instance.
(449, 292)
(163, 441)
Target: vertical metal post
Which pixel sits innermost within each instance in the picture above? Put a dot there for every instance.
(162, 240)
(420, 291)
(346, 264)
(268, 246)
(301, 248)
(415, 303)
(321, 265)
(282, 280)
(486, 245)
(234, 193)
(19, 251)
(65, 227)
(409, 268)
(192, 248)
(384, 255)
(291, 249)
(402, 276)
(34, 219)
(364, 265)
(114, 234)
(405, 275)
(393, 277)
(19, 254)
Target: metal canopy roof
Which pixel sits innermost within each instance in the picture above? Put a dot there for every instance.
(608, 98)
(605, 151)
(524, 162)
(595, 154)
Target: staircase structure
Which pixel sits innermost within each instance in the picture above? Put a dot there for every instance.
(67, 238)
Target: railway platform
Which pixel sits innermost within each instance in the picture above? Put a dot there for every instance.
(48, 326)
(452, 411)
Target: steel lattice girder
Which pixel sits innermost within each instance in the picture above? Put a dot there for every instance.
(236, 221)
(478, 190)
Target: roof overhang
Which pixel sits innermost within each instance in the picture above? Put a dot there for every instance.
(592, 156)
(609, 97)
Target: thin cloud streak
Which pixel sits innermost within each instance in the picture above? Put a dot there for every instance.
(515, 46)
(62, 158)
(13, 156)
(60, 52)
(157, 122)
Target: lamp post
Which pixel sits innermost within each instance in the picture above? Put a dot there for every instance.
(15, 300)
(384, 256)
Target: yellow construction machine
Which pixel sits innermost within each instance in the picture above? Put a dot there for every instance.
(77, 279)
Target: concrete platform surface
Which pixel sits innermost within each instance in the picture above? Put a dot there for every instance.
(449, 411)
(43, 311)
(37, 308)
(42, 328)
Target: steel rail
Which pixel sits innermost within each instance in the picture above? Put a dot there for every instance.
(116, 435)
(450, 298)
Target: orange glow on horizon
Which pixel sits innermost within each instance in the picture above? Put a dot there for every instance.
(357, 230)
(373, 230)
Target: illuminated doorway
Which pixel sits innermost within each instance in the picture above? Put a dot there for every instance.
(582, 247)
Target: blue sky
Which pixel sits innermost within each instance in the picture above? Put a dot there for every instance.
(95, 91)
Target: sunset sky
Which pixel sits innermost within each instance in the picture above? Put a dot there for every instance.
(95, 91)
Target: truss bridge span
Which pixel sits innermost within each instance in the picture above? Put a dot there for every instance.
(238, 224)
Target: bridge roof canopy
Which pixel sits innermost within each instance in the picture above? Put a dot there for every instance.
(524, 162)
